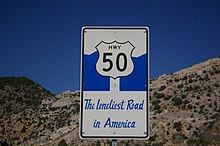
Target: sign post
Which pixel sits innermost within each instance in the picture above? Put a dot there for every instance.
(114, 142)
(114, 83)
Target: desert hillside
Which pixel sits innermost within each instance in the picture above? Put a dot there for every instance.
(184, 110)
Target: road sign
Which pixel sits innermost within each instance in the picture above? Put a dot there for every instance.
(114, 82)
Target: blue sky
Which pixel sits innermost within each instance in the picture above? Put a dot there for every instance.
(40, 39)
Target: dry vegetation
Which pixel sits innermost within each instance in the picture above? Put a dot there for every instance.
(184, 110)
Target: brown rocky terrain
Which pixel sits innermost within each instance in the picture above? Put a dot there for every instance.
(184, 110)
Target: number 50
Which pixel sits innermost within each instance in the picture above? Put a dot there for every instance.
(108, 60)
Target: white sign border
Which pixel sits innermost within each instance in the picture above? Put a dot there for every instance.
(81, 83)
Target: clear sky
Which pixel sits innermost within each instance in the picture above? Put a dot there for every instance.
(40, 39)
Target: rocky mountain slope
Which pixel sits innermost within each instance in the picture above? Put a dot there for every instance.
(184, 110)
(17, 94)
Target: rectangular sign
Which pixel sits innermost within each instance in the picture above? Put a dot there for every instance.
(114, 82)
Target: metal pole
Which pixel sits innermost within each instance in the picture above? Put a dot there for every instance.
(114, 142)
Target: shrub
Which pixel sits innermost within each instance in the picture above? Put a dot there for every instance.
(189, 106)
(190, 88)
(206, 78)
(202, 106)
(216, 84)
(159, 95)
(208, 94)
(157, 101)
(167, 97)
(180, 86)
(19, 99)
(183, 96)
(177, 101)
(178, 126)
(189, 128)
(8, 108)
(190, 80)
(153, 138)
(176, 80)
(186, 101)
(62, 143)
(156, 106)
(23, 130)
(184, 78)
(162, 88)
